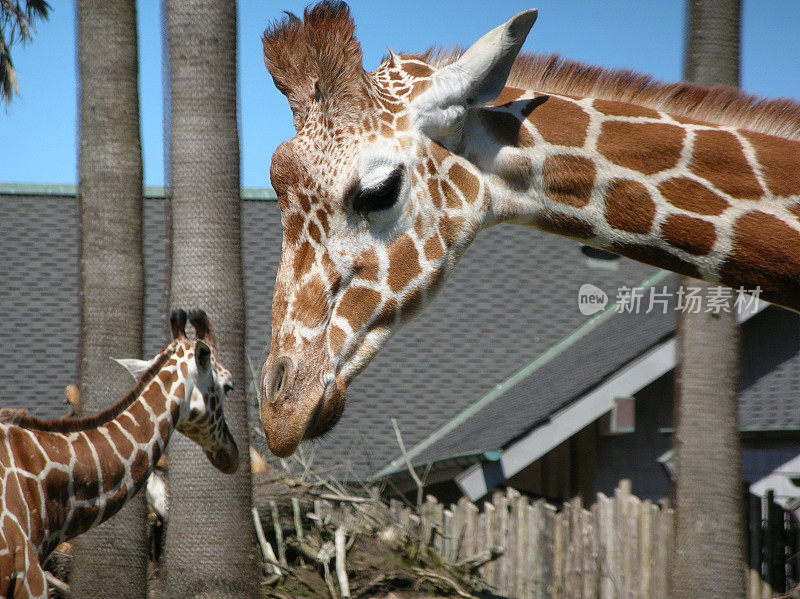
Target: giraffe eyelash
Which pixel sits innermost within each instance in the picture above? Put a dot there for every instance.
(381, 197)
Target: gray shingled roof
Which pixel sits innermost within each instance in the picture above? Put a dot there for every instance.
(513, 297)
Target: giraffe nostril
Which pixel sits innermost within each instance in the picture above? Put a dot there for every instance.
(277, 382)
(276, 379)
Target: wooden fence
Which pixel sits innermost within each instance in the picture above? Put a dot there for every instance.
(773, 548)
(619, 548)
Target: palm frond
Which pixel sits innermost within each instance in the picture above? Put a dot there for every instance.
(17, 24)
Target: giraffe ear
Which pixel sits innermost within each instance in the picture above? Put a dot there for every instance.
(136, 367)
(202, 355)
(474, 80)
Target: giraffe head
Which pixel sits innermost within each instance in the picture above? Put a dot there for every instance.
(377, 202)
(205, 384)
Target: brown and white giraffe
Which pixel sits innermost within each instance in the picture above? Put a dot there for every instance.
(392, 173)
(59, 478)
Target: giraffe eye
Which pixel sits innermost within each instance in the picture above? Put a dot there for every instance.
(227, 387)
(380, 197)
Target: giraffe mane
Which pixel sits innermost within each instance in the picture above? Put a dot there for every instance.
(19, 417)
(721, 105)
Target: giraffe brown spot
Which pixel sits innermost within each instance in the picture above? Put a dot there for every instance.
(292, 227)
(314, 232)
(417, 69)
(357, 305)
(690, 195)
(433, 249)
(305, 202)
(505, 129)
(35, 578)
(12, 494)
(766, 253)
(439, 152)
(401, 124)
(366, 266)
(467, 182)
(336, 339)
(121, 442)
(645, 147)
(403, 263)
(385, 318)
(322, 216)
(629, 207)
(105, 455)
(778, 158)
(419, 88)
(451, 197)
(615, 108)
(184, 369)
(30, 454)
(656, 256)
(303, 258)
(509, 95)
(165, 377)
(142, 418)
(435, 192)
(568, 179)
(165, 429)
(412, 303)
(84, 473)
(690, 234)
(386, 130)
(55, 486)
(718, 158)
(311, 303)
(516, 172)
(140, 467)
(564, 224)
(558, 121)
(451, 229)
(179, 391)
(55, 447)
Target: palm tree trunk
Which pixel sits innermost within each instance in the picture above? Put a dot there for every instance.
(210, 546)
(709, 551)
(111, 268)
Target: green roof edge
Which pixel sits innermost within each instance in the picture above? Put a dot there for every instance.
(150, 191)
(525, 371)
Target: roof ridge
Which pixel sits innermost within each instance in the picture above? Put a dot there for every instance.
(154, 192)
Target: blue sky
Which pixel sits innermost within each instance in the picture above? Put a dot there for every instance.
(38, 133)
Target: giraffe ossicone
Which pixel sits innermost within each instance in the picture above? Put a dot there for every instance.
(59, 478)
(391, 174)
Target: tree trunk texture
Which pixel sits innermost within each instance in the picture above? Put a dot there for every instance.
(210, 547)
(709, 551)
(114, 555)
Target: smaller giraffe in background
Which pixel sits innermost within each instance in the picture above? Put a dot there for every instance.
(59, 478)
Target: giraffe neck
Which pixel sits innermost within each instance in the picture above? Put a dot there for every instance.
(709, 201)
(92, 473)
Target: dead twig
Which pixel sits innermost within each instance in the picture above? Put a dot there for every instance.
(59, 585)
(276, 525)
(473, 563)
(341, 571)
(444, 579)
(266, 548)
(407, 460)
